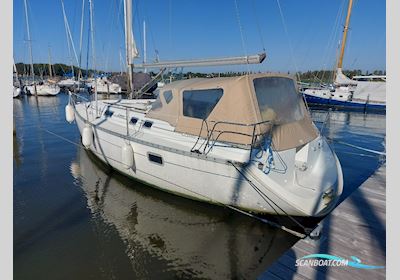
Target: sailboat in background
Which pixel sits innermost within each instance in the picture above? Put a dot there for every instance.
(361, 92)
(44, 88)
(16, 83)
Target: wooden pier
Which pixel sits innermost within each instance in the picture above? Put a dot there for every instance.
(357, 227)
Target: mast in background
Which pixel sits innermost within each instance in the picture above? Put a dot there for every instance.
(80, 42)
(30, 46)
(50, 69)
(345, 30)
(69, 40)
(144, 46)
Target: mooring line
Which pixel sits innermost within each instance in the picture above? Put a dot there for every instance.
(288, 230)
(271, 223)
(61, 137)
(264, 196)
(357, 147)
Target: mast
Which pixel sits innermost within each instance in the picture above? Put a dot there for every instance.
(93, 54)
(16, 73)
(121, 62)
(92, 33)
(69, 40)
(345, 30)
(144, 46)
(50, 70)
(80, 42)
(131, 51)
(30, 45)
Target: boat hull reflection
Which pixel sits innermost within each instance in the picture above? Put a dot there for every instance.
(192, 239)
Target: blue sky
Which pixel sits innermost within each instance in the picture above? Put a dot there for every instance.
(184, 29)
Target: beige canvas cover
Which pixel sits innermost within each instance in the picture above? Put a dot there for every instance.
(238, 105)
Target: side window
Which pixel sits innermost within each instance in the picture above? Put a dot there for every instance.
(155, 158)
(200, 103)
(167, 96)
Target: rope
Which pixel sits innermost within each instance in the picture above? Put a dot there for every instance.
(59, 136)
(357, 147)
(295, 233)
(265, 197)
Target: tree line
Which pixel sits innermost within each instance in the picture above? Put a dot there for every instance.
(42, 69)
(324, 76)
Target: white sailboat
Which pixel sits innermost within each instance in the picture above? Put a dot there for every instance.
(103, 85)
(362, 92)
(244, 142)
(43, 88)
(16, 83)
(16, 92)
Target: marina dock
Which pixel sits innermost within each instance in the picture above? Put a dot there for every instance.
(357, 227)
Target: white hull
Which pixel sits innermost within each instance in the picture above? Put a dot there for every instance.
(105, 87)
(352, 91)
(213, 178)
(67, 83)
(43, 90)
(16, 92)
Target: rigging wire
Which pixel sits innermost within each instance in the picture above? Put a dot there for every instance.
(258, 25)
(332, 39)
(107, 44)
(241, 33)
(170, 24)
(288, 38)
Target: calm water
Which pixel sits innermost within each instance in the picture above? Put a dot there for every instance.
(75, 219)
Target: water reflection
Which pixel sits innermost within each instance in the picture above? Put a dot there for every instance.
(169, 236)
(17, 139)
(365, 131)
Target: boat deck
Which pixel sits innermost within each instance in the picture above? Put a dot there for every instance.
(357, 227)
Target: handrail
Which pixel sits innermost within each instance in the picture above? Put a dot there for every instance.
(209, 142)
(121, 106)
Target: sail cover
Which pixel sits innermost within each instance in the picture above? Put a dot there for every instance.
(130, 44)
(371, 91)
(342, 79)
(234, 103)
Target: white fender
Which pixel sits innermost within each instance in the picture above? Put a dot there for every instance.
(127, 156)
(87, 136)
(69, 113)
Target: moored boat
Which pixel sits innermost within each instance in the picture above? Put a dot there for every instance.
(361, 92)
(247, 142)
